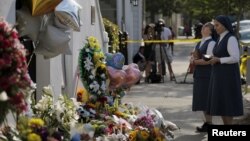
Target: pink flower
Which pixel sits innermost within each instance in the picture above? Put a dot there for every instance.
(13, 67)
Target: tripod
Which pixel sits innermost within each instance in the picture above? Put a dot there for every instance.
(171, 73)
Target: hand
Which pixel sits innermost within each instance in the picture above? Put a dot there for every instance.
(192, 60)
(214, 60)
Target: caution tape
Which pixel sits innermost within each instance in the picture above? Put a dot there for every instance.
(174, 41)
(163, 41)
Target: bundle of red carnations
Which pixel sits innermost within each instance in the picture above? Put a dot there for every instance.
(14, 78)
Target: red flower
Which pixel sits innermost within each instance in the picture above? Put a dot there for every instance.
(13, 68)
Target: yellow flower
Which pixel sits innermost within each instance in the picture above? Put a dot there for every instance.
(34, 137)
(144, 134)
(103, 67)
(93, 42)
(132, 135)
(82, 95)
(36, 122)
(158, 139)
(98, 56)
(97, 46)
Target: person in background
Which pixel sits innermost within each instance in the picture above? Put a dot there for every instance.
(171, 44)
(197, 30)
(202, 74)
(165, 34)
(225, 96)
(187, 30)
(148, 35)
(140, 60)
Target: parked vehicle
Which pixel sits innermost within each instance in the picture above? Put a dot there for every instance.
(244, 36)
(244, 24)
(244, 39)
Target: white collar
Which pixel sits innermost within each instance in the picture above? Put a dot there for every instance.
(206, 38)
(222, 35)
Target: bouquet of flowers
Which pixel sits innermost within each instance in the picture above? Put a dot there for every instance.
(93, 70)
(60, 115)
(14, 78)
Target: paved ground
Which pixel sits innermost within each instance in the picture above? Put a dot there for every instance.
(174, 100)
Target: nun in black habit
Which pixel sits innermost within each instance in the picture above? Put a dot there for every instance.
(225, 96)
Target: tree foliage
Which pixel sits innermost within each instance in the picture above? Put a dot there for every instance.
(205, 10)
(164, 7)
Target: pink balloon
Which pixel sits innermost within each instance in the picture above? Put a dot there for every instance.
(133, 65)
(117, 77)
(133, 75)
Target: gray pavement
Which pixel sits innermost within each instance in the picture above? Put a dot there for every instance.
(172, 99)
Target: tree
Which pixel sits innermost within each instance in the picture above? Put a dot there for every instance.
(164, 7)
(206, 10)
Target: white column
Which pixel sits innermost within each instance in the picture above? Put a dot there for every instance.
(8, 10)
(49, 72)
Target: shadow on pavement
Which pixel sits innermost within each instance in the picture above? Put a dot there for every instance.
(196, 137)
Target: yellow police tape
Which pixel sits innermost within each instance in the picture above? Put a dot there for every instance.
(163, 41)
(174, 41)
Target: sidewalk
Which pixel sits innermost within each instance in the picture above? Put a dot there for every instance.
(174, 100)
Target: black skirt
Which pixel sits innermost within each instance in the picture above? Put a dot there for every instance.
(225, 97)
(200, 94)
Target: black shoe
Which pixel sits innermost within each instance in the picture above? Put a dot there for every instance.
(146, 79)
(203, 128)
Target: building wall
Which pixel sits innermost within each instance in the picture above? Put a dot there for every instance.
(61, 70)
(132, 23)
(7, 10)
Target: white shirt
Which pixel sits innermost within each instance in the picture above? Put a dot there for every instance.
(165, 33)
(232, 48)
(210, 46)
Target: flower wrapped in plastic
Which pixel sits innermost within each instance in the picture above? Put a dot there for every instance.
(14, 78)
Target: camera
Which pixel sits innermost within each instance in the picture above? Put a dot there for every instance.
(159, 27)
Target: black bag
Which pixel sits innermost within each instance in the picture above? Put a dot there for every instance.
(154, 78)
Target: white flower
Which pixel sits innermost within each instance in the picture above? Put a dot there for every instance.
(59, 110)
(48, 90)
(93, 72)
(76, 104)
(88, 64)
(87, 50)
(103, 86)
(91, 77)
(103, 75)
(95, 86)
(45, 103)
(3, 96)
